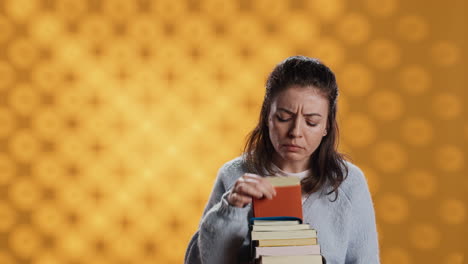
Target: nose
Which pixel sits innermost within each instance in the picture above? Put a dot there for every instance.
(295, 130)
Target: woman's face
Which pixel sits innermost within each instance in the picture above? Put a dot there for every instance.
(297, 122)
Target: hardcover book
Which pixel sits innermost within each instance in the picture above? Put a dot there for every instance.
(287, 251)
(287, 202)
(306, 259)
(277, 232)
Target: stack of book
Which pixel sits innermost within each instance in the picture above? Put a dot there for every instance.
(277, 232)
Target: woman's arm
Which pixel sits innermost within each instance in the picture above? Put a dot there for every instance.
(222, 229)
(363, 246)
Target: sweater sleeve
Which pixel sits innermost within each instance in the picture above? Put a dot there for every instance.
(222, 229)
(363, 246)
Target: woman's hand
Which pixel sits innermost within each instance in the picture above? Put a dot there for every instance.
(250, 186)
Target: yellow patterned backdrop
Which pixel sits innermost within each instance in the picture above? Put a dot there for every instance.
(116, 115)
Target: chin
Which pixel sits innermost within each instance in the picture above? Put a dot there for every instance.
(292, 156)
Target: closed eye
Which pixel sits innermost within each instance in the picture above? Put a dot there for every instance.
(282, 120)
(287, 119)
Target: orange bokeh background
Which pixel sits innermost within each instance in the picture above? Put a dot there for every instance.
(115, 116)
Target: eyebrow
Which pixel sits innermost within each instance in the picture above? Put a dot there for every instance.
(291, 113)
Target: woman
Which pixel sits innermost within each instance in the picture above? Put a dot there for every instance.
(295, 136)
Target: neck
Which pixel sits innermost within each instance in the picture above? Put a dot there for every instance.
(290, 166)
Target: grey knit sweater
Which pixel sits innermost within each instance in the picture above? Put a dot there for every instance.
(346, 228)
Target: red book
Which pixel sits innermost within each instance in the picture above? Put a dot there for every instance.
(287, 202)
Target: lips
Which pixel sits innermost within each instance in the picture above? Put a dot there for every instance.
(292, 147)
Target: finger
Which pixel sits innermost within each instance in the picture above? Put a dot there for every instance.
(250, 180)
(249, 189)
(251, 176)
(240, 200)
(264, 186)
(258, 189)
(261, 184)
(270, 186)
(268, 189)
(244, 200)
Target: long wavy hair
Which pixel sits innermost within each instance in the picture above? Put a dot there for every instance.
(327, 165)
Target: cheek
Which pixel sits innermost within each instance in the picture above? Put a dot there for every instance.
(276, 133)
(278, 129)
(314, 138)
(273, 133)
